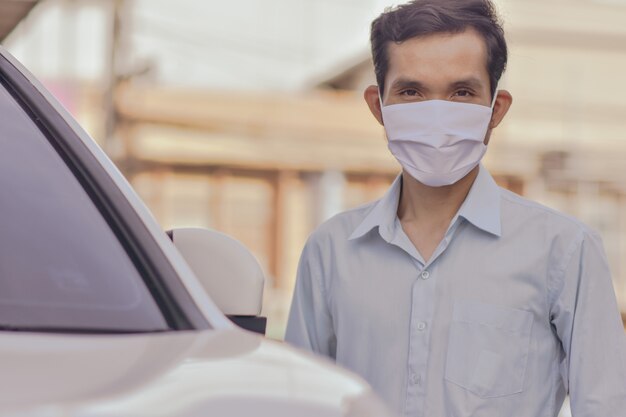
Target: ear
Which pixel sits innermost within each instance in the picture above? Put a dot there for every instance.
(500, 108)
(371, 98)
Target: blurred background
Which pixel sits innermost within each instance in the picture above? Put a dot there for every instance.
(247, 116)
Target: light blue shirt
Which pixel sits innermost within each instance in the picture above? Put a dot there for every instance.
(514, 309)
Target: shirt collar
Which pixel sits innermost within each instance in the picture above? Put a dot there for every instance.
(382, 214)
(482, 204)
(481, 208)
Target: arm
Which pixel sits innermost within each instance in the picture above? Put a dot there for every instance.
(585, 315)
(310, 323)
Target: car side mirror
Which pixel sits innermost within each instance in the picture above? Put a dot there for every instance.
(228, 271)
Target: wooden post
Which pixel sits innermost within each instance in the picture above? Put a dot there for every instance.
(281, 185)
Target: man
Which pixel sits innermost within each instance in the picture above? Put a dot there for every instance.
(451, 296)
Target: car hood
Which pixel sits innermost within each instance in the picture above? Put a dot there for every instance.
(224, 372)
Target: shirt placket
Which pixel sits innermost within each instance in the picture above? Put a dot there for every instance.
(422, 309)
(423, 298)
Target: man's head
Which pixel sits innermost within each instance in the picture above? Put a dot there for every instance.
(421, 18)
(438, 63)
(439, 49)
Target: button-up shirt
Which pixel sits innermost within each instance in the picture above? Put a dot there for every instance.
(514, 309)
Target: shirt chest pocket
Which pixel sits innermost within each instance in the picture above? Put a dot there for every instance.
(488, 348)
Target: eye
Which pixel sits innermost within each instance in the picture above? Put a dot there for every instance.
(463, 93)
(409, 92)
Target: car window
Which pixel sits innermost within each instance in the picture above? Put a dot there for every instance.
(61, 266)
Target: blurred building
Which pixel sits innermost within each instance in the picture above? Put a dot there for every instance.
(267, 167)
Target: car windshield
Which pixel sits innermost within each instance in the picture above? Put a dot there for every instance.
(61, 266)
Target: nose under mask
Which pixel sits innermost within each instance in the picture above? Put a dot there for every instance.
(437, 142)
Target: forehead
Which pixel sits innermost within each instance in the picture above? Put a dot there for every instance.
(439, 58)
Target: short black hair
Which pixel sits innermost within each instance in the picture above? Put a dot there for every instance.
(426, 17)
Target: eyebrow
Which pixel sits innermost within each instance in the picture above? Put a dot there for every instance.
(468, 82)
(402, 83)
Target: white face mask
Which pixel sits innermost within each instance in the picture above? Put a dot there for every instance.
(437, 142)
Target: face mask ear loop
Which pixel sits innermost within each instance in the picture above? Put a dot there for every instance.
(495, 96)
(493, 101)
(380, 100)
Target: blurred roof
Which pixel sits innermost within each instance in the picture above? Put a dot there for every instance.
(269, 45)
(11, 13)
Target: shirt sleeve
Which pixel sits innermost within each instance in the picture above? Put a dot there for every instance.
(586, 317)
(310, 322)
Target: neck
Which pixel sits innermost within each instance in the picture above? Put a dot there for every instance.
(421, 203)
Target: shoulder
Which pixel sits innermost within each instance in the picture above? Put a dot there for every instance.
(533, 215)
(341, 226)
(333, 235)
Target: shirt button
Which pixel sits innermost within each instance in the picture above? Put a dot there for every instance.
(421, 326)
(415, 378)
(425, 275)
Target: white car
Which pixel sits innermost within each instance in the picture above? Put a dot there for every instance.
(101, 315)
